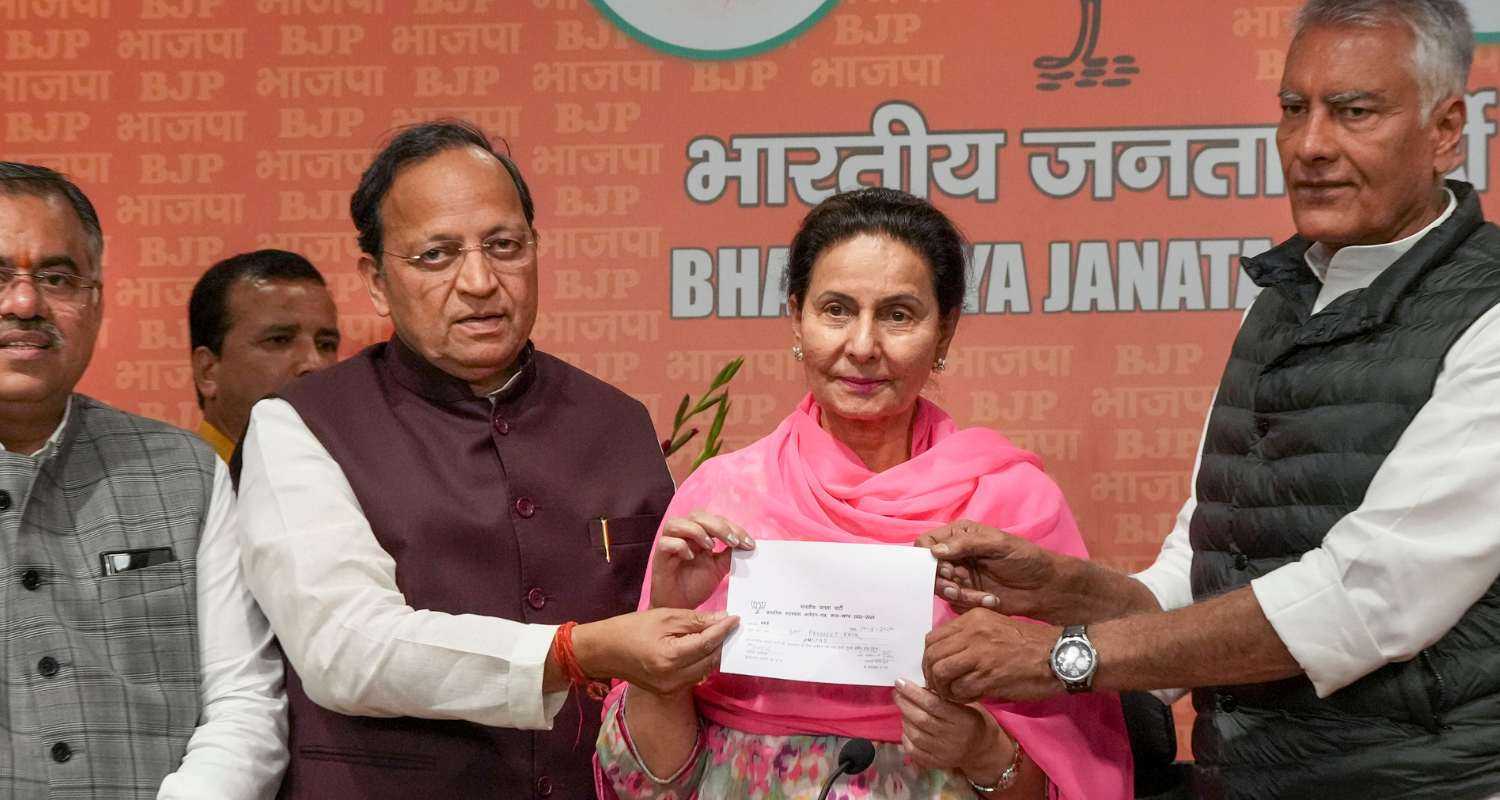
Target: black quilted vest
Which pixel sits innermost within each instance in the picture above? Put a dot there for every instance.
(1309, 408)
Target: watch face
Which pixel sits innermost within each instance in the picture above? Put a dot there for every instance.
(1073, 660)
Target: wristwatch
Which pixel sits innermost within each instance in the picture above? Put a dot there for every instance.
(1074, 659)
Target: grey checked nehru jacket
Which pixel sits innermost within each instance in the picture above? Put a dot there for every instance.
(101, 672)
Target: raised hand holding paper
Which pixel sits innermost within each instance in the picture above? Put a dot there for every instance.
(827, 612)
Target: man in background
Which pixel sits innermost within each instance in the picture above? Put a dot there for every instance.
(257, 320)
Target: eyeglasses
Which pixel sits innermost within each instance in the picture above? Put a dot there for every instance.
(59, 285)
(500, 251)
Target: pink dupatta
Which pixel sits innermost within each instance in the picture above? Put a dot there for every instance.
(799, 483)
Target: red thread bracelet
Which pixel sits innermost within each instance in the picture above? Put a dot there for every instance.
(562, 652)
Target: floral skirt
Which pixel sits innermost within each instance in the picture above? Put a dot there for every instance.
(728, 764)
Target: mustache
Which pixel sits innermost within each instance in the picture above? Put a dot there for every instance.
(9, 323)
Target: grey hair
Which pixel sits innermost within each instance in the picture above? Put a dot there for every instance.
(1444, 48)
(31, 180)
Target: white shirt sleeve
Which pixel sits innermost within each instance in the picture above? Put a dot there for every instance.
(329, 590)
(1170, 576)
(1398, 572)
(238, 751)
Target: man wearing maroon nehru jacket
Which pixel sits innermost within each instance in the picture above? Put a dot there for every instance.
(419, 519)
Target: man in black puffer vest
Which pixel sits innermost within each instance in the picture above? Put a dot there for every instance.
(1332, 589)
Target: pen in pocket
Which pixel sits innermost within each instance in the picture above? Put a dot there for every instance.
(604, 530)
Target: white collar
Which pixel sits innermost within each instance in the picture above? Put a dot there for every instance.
(1359, 265)
(50, 446)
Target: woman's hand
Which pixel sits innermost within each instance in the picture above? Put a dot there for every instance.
(684, 569)
(938, 734)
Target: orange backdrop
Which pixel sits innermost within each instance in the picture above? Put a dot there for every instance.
(1109, 194)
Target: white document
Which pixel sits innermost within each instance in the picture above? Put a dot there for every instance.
(826, 612)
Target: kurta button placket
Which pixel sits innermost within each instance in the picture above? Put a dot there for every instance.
(525, 508)
(536, 598)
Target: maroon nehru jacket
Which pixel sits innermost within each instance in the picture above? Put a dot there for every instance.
(489, 510)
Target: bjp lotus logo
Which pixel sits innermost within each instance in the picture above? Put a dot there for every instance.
(714, 29)
(1082, 67)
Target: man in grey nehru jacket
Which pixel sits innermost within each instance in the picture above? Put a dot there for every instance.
(136, 663)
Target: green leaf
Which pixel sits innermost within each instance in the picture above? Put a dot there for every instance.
(677, 443)
(727, 373)
(718, 426)
(707, 402)
(681, 413)
(712, 443)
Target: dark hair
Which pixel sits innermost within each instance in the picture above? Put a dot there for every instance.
(208, 308)
(887, 212)
(409, 145)
(35, 181)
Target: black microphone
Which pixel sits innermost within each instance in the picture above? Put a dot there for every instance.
(855, 757)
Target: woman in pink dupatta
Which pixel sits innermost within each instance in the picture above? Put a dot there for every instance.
(875, 285)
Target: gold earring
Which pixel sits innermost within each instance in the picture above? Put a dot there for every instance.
(797, 351)
(940, 364)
